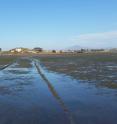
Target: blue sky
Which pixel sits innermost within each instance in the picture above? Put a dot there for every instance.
(58, 23)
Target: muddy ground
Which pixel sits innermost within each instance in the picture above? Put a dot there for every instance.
(58, 90)
(100, 69)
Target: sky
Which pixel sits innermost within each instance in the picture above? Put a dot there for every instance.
(58, 24)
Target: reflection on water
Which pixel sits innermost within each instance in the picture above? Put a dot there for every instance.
(87, 103)
(25, 98)
(29, 97)
(18, 71)
(14, 79)
(4, 90)
(55, 94)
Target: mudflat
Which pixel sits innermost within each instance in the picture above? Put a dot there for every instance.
(59, 89)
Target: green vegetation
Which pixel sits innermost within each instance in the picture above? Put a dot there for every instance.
(4, 60)
(24, 63)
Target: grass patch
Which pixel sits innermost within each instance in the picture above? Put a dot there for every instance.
(4, 60)
(24, 63)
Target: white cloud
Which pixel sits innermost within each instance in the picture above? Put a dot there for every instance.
(97, 40)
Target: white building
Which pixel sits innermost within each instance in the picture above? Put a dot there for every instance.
(18, 50)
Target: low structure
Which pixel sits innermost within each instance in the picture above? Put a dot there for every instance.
(114, 50)
(97, 50)
(37, 49)
(19, 50)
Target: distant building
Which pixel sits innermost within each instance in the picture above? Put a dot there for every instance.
(37, 49)
(19, 50)
(54, 51)
(97, 50)
(114, 50)
(61, 51)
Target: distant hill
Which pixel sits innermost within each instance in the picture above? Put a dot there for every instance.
(77, 47)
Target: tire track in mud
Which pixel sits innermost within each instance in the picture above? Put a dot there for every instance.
(2, 68)
(6, 66)
(54, 92)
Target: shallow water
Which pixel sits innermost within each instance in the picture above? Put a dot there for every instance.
(92, 68)
(87, 103)
(27, 97)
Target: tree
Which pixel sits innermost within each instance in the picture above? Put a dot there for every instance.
(38, 49)
(54, 51)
